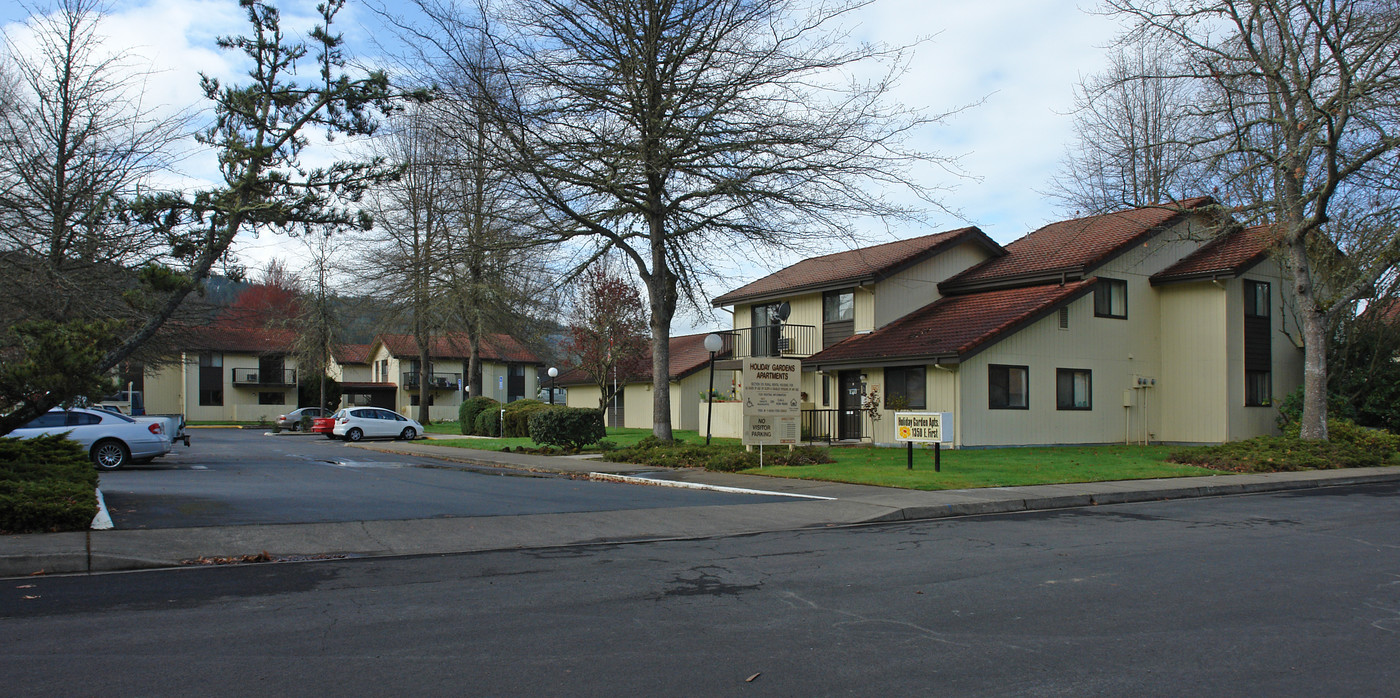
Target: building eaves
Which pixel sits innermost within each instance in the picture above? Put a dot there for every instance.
(853, 267)
(952, 329)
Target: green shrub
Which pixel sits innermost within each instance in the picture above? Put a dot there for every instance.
(46, 484)
(567, 427)
(1348, 446)
(517, 417)
(487, 423)
(729, 460)
(470, 409)
(306, 421)
(802, 455)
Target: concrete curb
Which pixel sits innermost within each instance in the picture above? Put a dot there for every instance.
(114, 550)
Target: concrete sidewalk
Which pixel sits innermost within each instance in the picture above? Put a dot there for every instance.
(839, 504)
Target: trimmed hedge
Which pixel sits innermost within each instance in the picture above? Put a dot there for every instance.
(487, 423)
(567, 427)
(469, 410)
(46, 484)
(517, 416)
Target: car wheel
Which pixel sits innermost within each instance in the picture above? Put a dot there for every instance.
(296, 426)
(110, 454)
(354, 434)
(408, 434)
(332, 437)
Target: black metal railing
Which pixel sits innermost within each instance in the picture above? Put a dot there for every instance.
(436, 381)
(772, 340)
(258, 377)
(819, 425)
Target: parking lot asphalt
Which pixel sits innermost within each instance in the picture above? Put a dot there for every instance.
(785, 504)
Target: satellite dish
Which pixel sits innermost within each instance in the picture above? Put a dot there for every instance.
(784, 310)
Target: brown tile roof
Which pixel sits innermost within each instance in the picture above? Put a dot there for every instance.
(953, 327)
(494, 347)
(1227, 255)
(239, 339)
(853, 266)
(688, 355)
(352, 354)
(1074, 247)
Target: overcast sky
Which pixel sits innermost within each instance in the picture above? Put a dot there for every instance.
(1022, 57)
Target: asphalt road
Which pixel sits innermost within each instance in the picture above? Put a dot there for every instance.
(1273, 595)
(232, 477)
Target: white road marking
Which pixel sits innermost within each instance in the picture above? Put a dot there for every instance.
(632, 480)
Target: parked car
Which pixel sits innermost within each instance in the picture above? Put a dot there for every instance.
(355, 423)
(112, 440)
(174, 424)
(324, 425)
(292, 420)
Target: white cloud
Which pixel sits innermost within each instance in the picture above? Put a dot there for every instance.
(1022, 56)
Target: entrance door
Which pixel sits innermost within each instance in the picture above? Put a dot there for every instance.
(850, 416)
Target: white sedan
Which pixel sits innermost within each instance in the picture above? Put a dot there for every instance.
(112, 440)
(355, 423)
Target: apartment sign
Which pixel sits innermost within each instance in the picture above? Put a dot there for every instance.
(772, 386)
(923, 427)
(770, 431)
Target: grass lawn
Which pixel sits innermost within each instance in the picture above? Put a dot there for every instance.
(622, 437)
(1000, 467)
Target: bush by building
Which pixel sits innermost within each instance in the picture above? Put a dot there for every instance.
(470, 409)
(567, 427)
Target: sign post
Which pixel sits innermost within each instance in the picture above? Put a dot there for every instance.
(923, 427)
(772, 401)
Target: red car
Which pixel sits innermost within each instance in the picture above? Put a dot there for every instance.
(324, 425)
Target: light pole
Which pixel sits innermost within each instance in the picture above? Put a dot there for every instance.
(713, 343)
(552, 373)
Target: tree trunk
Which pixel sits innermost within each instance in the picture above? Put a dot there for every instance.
(661, 292)
(1313, 425)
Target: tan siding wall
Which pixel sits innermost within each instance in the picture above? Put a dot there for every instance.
(940, 394)
(865, 310)
(1192, 392)
(917, 286)
(583, 396)
(164, 390)
(1100, 345)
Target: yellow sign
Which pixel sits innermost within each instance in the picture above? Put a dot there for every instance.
(925, 427)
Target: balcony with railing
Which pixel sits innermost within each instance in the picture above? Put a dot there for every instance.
(436, 381)
(259, 378)
(783, 340)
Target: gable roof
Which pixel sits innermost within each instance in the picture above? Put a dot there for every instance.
(494, 347)
(239, 339)
(853, 267)
(352, 353)
(688, 355)
(1227, 255)
(1071, 249)
(953, 327)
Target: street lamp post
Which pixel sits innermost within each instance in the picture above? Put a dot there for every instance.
(552, 373)
(712, 345)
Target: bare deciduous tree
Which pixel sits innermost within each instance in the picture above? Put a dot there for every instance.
(1132, 124)
(669, 129)
(1297, 104)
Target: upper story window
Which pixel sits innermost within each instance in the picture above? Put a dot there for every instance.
(839, 306)
(1256, 298)
(1111, 298)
